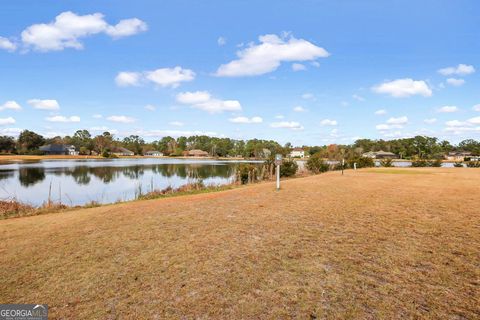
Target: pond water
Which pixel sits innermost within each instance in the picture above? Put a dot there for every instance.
(77, 182)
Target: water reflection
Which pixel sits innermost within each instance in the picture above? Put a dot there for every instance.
(104, 181)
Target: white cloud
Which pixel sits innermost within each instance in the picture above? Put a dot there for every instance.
(455, 82)
(63, 119)
(455, 123)
(68, 28)
(461, 70)
(8, 45)
(447, 109)
(126, 27)
(97, 116)
(476, 107)
(358, 98)
(46, 104)
(279, 116)
(308, 96)
(150, 107)
(400, 120)
(204, 101)
(121, 119)
(381, 112)
(163, 77)
(11, 105)
(6, 121)
(328, 122)
(298, 67)
(246, 120)
(176, 123)
(430, 121)
(265, 57)
(10, 131)
(126, 78)
(287, 124)
(402, 88)
(221, 41)
(104, 129)
(299, 109)
(316, 64)
(170, 77)
(475, 120)
(173, 133)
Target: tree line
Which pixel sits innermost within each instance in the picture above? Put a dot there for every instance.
(29, 142)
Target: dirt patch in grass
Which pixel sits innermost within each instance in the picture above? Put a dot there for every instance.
(358, 246)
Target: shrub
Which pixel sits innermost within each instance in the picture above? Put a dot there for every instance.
(386, 163)
(362, 162)
(473, 164)
(436, 163)
(247, 173)
(316, 164)
(458, 165)
(288, 168)
(420, 163)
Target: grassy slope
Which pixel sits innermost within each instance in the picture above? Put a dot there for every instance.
(363, 245)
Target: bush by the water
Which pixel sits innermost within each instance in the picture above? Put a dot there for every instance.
(288, 168)
(436, 163)
(473, 164)
(458, 165)
(386, 163)
(421, 163)
(316, 164)
(247, 173)
(362, 162)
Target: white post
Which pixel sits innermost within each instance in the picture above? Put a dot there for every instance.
(278, 177)
(355, 166)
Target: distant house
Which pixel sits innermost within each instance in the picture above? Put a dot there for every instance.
(197, 153)
(120, 151)
(154, 153)
(458, 155)
(59, 149)
(297, 153)
(380, 155)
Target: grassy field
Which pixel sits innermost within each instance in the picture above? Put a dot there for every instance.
(366, 245)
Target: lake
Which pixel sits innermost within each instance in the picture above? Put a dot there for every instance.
(77, 182)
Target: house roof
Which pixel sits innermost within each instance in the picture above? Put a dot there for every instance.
(297, 149)
(197, 152)
(56, 147)
(460, 153)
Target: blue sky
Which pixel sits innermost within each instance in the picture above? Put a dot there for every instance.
(308, 72)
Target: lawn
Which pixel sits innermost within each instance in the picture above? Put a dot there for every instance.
(358, 246)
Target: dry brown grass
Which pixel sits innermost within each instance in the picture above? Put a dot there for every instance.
(359, 246)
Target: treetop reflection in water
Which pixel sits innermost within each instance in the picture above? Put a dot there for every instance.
(78, 182)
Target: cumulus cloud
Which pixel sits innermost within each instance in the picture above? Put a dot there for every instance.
(447, 109)
(6, 121)
(358, 98)
(461, 127)
(475, 120)
(455, 123)
(221, 41)
(381, 112)
(10, 131)
(298, 67)
(402, 88)
(430, 120)
(63, 119)
(328, 122)
(203, 100)
(44, 104)
(461, 70)
(68, 28)
(10, 105)
(8, 45)
(476, 107)
(299, 109)
(104, 129)
(163, 77)
(266, 56)
(399, 120)
(176, 123)
(455, 82)
(121, 119)
(287, 125)
(246, 120)
(126, 78)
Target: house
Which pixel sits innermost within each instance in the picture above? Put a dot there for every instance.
(458, 155)
(59, 149)
(154, 153)
(120, 151)
(297, 153)
(197, 153)
(380, 155)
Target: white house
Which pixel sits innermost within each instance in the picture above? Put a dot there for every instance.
(154, 153)
(297, 153)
